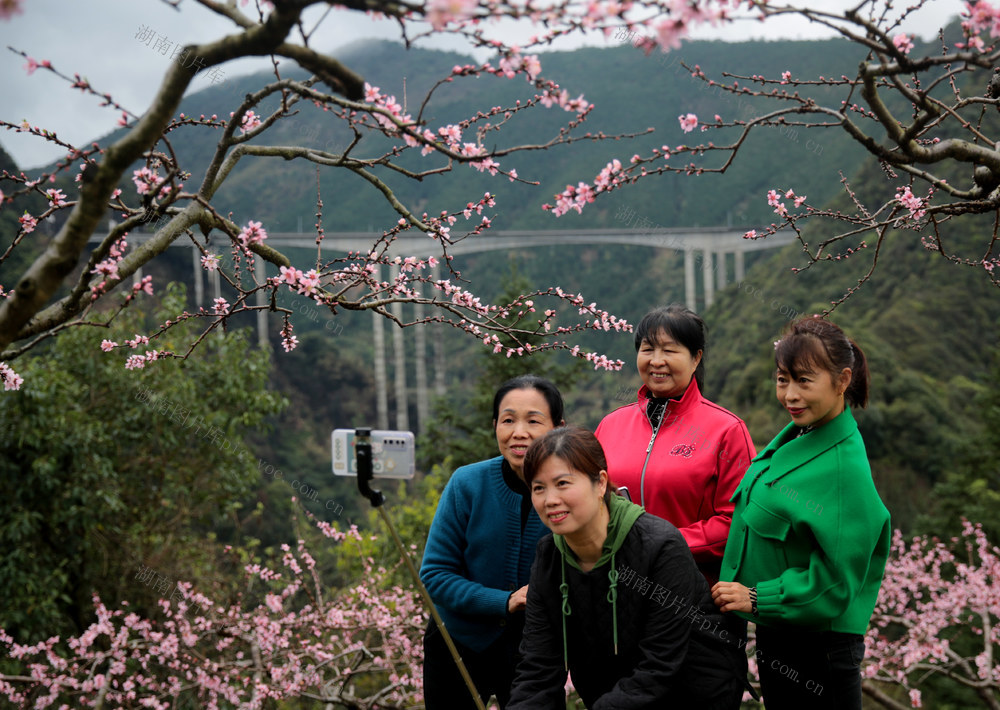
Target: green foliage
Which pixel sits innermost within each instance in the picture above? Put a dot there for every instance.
(970, 488)
(410, 507)
(105, 470)
(328, 386)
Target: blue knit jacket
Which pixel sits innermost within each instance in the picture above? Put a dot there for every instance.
(476, 555)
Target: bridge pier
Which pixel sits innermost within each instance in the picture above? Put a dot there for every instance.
(714, 272)
(260, 269)
(706, 274)
(689, 282)
(440, 388)
(381, 391)
(199, 282)
(216, 284)
(423, 395)
(399, 350)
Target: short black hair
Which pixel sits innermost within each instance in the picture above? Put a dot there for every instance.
(680, 323)
(524, 382)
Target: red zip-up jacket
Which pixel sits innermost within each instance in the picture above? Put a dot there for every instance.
(682, 463)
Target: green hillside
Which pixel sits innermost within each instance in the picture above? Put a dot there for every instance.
(631, 92)
(929, 327)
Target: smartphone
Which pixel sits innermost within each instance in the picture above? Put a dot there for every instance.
(623, 492)
(393, 453)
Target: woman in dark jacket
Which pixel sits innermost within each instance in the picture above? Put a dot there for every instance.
(615, 597)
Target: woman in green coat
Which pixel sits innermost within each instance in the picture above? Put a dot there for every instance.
(810, 535)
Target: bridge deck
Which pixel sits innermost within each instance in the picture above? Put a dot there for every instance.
(716, 239)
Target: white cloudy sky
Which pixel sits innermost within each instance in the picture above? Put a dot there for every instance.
(97, 39)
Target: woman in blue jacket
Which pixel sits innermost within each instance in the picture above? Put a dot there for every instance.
(479, 552)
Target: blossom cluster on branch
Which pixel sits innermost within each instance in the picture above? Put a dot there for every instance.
(165, 201)
(942, 127)
(921, 117)
(938, 614)
(357, 648)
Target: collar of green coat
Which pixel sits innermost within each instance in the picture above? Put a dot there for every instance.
(788, 451)
(622, 516)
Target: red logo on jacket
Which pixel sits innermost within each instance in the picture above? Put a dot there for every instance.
(684, 450)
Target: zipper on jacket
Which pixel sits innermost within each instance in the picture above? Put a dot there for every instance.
(649, 450)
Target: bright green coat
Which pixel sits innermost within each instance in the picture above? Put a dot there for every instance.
(810, 531)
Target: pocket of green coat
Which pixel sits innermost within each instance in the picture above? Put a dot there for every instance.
(766, 523)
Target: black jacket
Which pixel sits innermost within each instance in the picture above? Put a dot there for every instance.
(672, 641)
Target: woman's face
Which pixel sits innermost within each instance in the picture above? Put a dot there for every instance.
(568, 501)
(666, 367)
(522, 417)
(812, 397)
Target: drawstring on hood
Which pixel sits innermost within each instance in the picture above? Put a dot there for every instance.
(613, 598)
(622, 515)
(566, 611)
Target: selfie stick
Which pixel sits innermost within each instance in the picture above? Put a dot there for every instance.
(363, 451)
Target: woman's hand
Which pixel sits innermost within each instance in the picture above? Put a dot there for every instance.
(518, 600)
(731, 596)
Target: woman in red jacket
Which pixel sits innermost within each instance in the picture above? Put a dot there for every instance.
(679, 455)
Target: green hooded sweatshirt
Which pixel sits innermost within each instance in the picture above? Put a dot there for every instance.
(622, 516)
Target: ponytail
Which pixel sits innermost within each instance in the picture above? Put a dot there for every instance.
(823, 343)
(857, 391)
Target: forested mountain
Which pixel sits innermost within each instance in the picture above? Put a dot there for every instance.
(631, 92)
(930, 327)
